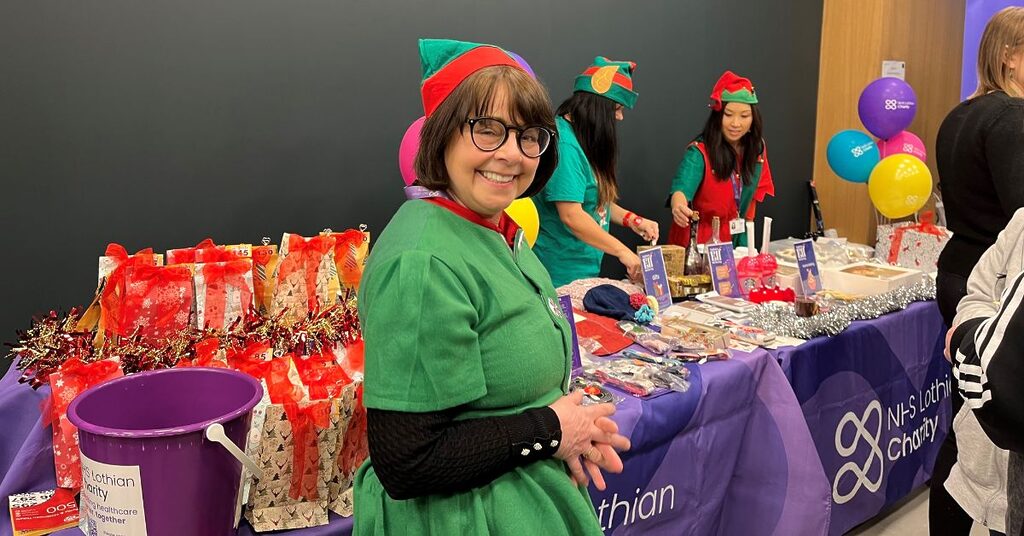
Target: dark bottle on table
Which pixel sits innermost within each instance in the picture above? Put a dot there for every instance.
(694, 260)
(697, 272)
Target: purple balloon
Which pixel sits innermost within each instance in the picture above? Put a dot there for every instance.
(887, 107)
(522, 63)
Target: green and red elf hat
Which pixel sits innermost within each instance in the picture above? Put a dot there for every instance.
(446, 63)
(611, 79)
(732, 88)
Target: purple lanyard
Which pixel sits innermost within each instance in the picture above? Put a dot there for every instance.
(737, 188)
(420, 192)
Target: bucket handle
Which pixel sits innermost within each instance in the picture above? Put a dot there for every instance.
(215, 433)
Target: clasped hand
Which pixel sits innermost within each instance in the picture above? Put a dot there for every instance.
(590, 439)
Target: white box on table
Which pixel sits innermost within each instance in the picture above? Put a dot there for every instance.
(869, 278)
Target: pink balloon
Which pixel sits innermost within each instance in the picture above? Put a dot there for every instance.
(905, 142)
(408, 149)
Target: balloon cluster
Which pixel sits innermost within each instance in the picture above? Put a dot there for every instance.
(522, 211)
(899, 183)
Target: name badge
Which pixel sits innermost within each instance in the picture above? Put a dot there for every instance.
(737, 226)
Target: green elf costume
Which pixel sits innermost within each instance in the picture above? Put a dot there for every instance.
(460, 318)
(710, 195)
(566, 257)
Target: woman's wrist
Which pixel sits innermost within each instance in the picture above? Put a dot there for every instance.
(631, 220)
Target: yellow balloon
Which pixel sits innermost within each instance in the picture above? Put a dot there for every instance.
(524, 213)
(900, 185)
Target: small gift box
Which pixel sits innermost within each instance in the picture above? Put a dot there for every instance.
(71, 379)
(224, 292)
(264, 262)
(306, 278)
(912, 245)
(298, 442)
(351, 248)
(104, 314)
(157, 301)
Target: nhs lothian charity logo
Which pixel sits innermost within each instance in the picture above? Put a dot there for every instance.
(867, 427)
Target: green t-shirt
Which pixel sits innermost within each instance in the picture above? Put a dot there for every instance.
(566, 257)
(455, 319)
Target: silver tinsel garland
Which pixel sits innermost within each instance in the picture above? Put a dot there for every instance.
(781, 319)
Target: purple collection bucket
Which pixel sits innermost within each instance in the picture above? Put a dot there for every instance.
(160, 451)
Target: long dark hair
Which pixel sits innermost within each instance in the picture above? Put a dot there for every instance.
(723, 157)
(593, 121)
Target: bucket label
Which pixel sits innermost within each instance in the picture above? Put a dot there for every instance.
(111, 500)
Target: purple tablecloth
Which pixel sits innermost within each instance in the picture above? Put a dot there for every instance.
(876, 401)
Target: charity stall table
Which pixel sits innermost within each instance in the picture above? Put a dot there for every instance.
(731, 455)
(876, 401)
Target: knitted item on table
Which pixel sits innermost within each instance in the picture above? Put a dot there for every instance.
(579, 288)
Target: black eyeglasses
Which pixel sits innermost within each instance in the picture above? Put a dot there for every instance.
(488, 134)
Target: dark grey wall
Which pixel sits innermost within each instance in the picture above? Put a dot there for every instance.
(158, 123)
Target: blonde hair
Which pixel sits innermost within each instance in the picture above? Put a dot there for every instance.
(1004, 34)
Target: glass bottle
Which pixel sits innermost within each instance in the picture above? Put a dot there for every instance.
(694, 261)
(696, 272)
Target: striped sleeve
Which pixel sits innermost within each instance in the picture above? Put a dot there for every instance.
(989, 366)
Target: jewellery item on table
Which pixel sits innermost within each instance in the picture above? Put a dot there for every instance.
(645, 337)
(751, 334)
(625, 375)
(702, 357)
(647, 358)
(593, 392)
(661, 378)
(634, 386)
(690, 336)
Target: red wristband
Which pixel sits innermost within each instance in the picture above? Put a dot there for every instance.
(631, 220)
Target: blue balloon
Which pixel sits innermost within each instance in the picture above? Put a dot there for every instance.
(852, 155)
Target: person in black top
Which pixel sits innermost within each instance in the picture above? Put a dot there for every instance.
(980, 159)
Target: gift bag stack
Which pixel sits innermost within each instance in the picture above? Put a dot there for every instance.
(912, 245)
(285, 316)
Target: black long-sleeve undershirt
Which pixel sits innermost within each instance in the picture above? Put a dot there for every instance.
(417, 454)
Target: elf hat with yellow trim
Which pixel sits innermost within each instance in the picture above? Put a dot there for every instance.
(609, 78)
(446, 63)
(732, 88)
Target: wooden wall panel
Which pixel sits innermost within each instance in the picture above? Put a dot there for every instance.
(857, 35)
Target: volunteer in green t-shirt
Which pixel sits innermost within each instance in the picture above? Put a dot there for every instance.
(470, 427)
(579, 202)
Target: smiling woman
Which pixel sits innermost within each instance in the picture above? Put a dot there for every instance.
(725, 170)
(470, 426)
